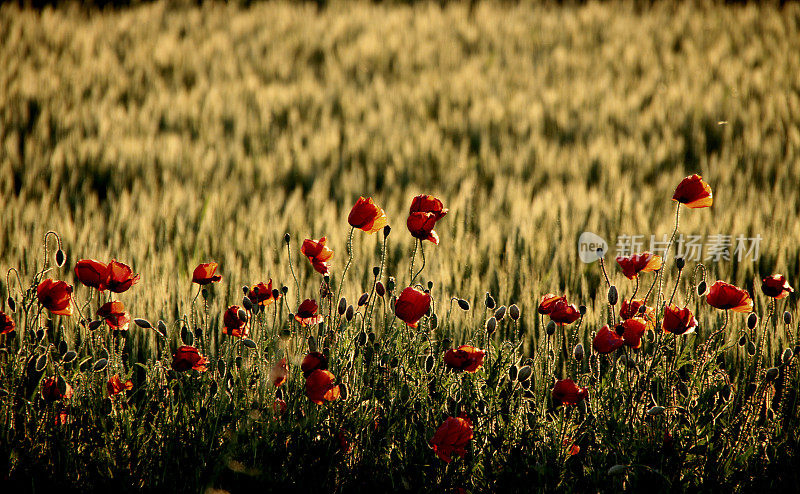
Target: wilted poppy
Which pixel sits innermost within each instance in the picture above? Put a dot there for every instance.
(425, 211)
(116, 385)
(307, 313)
(262, 293)
(7, 324)
(639, 263)
(566, 392)
(114, 314)
(279, 372)
(51, 391)
(678, 321)
(91, 273)
(119, 277)
(367, 216)
(233, 325)
(606, 341)
(318, 254)
(312, 362)
(320, 387)
(187, 357)
(776, 286)
(204, 274)
(546, 303)
(693, 192)
(726, 296)
(563, 313)
(452, 437)
(632, 308)
(55, 296)
(632, 331)
(464, 358)
(411, 305)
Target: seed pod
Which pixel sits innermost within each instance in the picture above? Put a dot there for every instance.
(582, 309)
(362, 300)
(463, 304)
(500, 313)
(743, 340)
(613, 296)
(349, 313)
(342, 306)
(284, 289)
(701, 288)
(100, 365)
(143, 323)
(656, 410)
(430, 285)
(512, 373)
(772, 374)
(390, 284)
(242, 315)
(380, 289)
(752, 320)
(248, 343)
(551, 328)
(751, 348)
(275, 293)
(787, 356)
(787, 318)
(247, 303)
(287, 238)
(577, 352)
(12, 305)
(491, 325)
(60, 258)
(513, 312)
(489, 301)
(524, 373)
(387, 230)
(680, 262)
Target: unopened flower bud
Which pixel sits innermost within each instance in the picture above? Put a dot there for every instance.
(500, 313)
(513, 312)
(489, 301)
(287, 238)
(787, 318)
(349, 313)
(390, 284)
(245, 289)
(376, 270)
(613, 296)
(582, 309)
(752, 320)
(787, 356)
(463, 304)
(362, 300)
(577, 352)
(247, 303)
(430, 285)
(380, 289)
(701, 288)
(342, 306)
(284, 289)
(276, 293)
(680, 262)
(60, 258)
(551, 328)
(242, 315)
(491, 325)
(387, 230)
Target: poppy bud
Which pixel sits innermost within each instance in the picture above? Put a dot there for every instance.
(491, 325)
(349, 313)
(275, 293)
(12, 305)
(680, 262)
(656, 410)
(242, 315)
(512, 373)
(245, 289)
(143, 323)
(284, 289)
(434, 321)
(582, 309)
(380, 289)
(701, 288)
(287, 238)
(577, 352)
(247, 303)
(430, 285)
(387, 230)
(513, 312)
(613, 296)
(743, 340)
(752, 320)
(787, 356)
(390, 284)
(551, 328)
(751, 348)
(772, 374)
(362, 300)
(445, 344)
(162, 327)
(204, 293)
(291, 316)
(327, 279)
(342, 306)
(60, 258)
(376, 270)
(95, 324)
(500, 313)
(489, 301)
(463, 304)
(787, 318)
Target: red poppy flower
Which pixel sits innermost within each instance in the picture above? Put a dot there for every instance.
(452, 437)
(116, 385)
(631, 309)
(367, 216)
(279, 373)
(119, 277)
(464, 358)
(7, 324)
(55, 296)
(233, 325)
(345, 443)
(312, 362)
(606, 341)
(776, 286)
(566, 392)
(678, 321)
(114, 314)
(693, 192)
(204, 274)
(632, 331)
(425, 211)
(320, 387)
(726, 296)
(187, 357)
(318, 254)
(563, 313)
(50, 391)
(546, 303)
(91, 273)
(639, 263)
(279, 407)
(262, 294)
(307, 313)
(411, 305)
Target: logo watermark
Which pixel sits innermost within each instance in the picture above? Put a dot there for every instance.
(713, 247)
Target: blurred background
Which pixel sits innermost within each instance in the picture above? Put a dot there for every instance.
(164, 135)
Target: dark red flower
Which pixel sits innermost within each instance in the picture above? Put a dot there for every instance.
(566, 392)
(345, 442)
(693, 192)
(776, 286)
(411, 305)
(678, 321)
(119, 277)
(312, 362)
(546, 303)
(114, 314)
(320, 387)
(639, 263)
(563, 313)
(452, 437)
(204, 274)
(318, 254)
(233, 325)
(425, 211)
(91, 273)
(7, 324)
(367, 216)
(55, 296)
(726, 296)
(116, 385)
(606, 341)
(632, 331)
(50, 391)
(464, 358)
(262, 294)
(307, 313)
(187, 357)
(279, 407)
(279, 372)
(631, 309)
